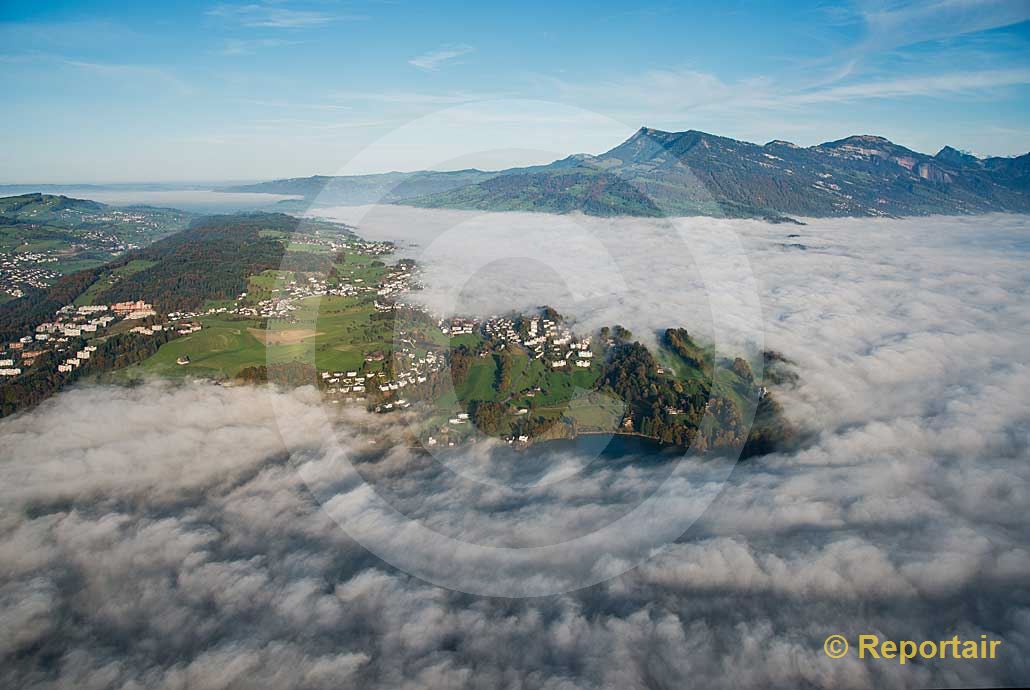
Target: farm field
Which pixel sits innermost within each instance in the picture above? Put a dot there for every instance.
(220, 350)
(344, 334)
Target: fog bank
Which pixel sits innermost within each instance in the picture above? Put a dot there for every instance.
(168, 537)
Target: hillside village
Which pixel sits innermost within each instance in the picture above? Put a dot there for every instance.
(72, 327)
(26, 271)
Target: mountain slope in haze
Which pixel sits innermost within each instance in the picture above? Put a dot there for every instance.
(694, 173)
(366, 189)
(563, 191)
(60, 210)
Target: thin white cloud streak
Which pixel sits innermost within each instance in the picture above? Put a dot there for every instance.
(891, 27)
(413, 98)
(891, 24)
(654, 91)
(933, 86)
(435, 59)
(138, 76)
(305, 125)
(675, 94)
(301, 105)
(237, 46)
(270, 15)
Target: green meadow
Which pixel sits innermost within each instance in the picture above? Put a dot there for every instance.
(342, 336)
(219, 350)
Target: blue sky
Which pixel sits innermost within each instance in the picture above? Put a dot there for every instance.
(111, 91)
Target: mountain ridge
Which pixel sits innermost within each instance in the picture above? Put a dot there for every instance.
(660, 173)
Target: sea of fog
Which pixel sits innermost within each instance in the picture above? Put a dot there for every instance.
(204, 536)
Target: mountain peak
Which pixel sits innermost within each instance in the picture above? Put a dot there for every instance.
(649, 133)
(864, 140)
(954, 156)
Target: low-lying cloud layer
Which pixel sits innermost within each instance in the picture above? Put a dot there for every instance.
(168, 537)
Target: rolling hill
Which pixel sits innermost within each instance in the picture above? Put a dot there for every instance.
(137, 225)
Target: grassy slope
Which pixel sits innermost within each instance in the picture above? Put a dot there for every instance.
(220, 349)
(344, 331)
(225, 345)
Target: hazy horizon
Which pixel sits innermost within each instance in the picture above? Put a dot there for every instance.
(201, 89)
(206, 184)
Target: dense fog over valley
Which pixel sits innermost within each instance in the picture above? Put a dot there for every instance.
(189, 536)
